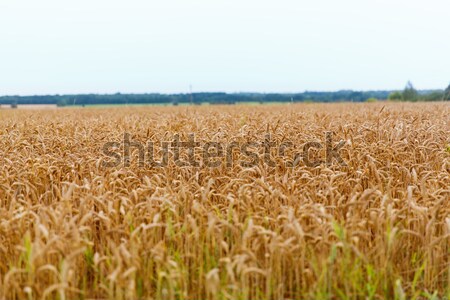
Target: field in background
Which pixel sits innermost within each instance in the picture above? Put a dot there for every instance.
(377, 228)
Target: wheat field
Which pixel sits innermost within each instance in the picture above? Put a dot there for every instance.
(377, 227)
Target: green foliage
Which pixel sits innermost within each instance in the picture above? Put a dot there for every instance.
(61, 103)
(372, 99)
(198, 98)
(395, 96)
(410, 93)
(446, 96)
(434, 96)
(14, 102)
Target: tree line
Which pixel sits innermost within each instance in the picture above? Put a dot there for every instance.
(408, 94)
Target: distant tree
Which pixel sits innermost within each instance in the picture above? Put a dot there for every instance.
(395, 96)
(447, 93)
(61, 102)
(14, 103)
(433, 96)
(174, 101)
(410, 93)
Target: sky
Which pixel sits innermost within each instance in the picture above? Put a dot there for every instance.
(166, 46)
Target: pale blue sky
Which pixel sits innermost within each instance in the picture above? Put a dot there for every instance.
(108, 46)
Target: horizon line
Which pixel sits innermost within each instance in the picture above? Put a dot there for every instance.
(217, 91)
